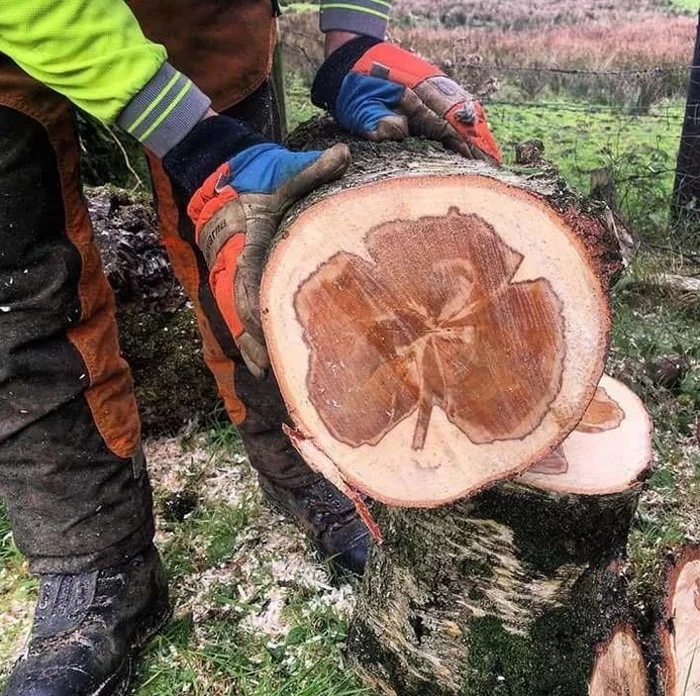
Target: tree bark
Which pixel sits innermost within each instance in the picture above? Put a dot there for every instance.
(512, 592)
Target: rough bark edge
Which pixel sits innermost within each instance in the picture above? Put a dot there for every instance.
(601, 233)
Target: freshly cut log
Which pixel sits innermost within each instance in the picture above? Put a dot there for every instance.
(620, 668)
(609, 452)
(520, 590)
(680, 628)
(435, 325)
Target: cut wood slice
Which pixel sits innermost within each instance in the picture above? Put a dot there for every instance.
(680, 629)
(432, 334)
(620, 667)
(609, 452)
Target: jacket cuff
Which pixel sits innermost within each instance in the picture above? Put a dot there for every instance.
(210, 143)
(330, 76)
(164, 111)
(365, 17)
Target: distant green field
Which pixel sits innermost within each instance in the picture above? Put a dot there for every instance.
(578, 138)
(690, 5)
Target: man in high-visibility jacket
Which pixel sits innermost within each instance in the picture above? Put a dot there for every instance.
(72, 471)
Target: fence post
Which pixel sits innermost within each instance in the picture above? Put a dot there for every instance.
(686, 194)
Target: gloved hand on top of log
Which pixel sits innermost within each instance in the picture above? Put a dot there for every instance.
(382, 92)
(239, 186)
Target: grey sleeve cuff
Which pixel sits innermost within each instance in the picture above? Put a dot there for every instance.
(365, 17)
(164, 111)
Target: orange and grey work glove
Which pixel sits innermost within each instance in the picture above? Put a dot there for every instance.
(381, 92)
(236, 211)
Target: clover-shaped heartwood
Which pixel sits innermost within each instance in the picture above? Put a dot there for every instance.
(441, 323)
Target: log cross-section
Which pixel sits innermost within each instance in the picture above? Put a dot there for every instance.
(435, 329)
(680, 626)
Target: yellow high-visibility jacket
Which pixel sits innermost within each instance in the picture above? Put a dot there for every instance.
(94, 53)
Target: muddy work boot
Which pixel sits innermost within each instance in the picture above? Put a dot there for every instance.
(328, 517)
(88, 629)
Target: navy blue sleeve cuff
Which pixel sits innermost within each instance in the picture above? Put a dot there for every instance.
(208, 145)
(332, 72)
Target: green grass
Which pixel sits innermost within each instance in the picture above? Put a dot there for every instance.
(205, 538)
(227, 660)
(688, 5)
(17, 590)
(299, 106)
(647, 325)
(640, 151)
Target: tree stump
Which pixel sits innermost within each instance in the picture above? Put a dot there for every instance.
(678, 630)
(521, 589)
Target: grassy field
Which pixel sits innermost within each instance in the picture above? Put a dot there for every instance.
(639, 151)
(256, 613)
(687, 5)
(579, 138)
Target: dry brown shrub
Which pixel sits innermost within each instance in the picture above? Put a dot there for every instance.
(519, 15)
(521, 42)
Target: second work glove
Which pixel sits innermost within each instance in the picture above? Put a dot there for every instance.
(236, 210)
(381, 92)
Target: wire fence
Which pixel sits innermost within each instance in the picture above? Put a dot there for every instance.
(622, 126)
(619, 126)
(665, 112)
(587, 71)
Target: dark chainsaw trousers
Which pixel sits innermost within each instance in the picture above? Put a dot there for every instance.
(72, 471)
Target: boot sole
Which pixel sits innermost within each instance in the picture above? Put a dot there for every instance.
(118, 684)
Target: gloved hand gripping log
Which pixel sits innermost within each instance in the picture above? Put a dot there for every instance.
(382, 92)
(236, 211)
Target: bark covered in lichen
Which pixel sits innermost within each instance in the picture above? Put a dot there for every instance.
(510, 592)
